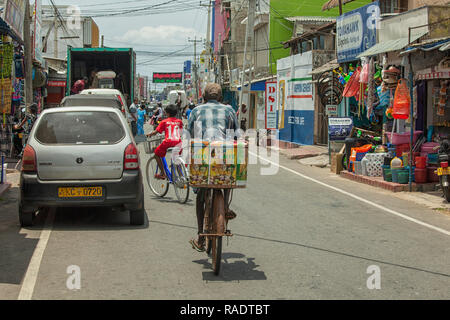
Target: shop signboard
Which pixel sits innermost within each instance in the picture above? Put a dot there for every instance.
(339, 128)
(331, 110)
(271, 105)
(357, 31)
(167, 77)
(14, 13)
(55, 83)
(295, 99)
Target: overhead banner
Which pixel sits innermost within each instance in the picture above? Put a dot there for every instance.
(271, 105)
(357, 31)
(167, 77)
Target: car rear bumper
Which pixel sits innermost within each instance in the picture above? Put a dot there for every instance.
(126, 191)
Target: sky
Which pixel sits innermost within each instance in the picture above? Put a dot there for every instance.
(164, 32)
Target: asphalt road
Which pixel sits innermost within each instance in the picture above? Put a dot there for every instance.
(294, 238)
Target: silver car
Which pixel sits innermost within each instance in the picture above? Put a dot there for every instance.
(81, 156)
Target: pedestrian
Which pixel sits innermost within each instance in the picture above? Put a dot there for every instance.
(141, 119)
(79, 85)
(133, 118)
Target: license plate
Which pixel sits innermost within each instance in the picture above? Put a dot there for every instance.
(443, 171)
(80, 192)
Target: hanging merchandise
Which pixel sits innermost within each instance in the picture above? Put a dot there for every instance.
(5, 91)
(371, 98)
(352, 87)
(364, 76)
(402, 101)
(442, 99)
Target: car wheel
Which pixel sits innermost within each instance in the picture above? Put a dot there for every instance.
(25, 217)
(137, 217)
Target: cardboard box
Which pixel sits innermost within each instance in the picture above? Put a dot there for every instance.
(336, 162)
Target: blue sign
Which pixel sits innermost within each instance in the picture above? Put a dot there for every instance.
(357, 31)
(187, 67)
(339, 128)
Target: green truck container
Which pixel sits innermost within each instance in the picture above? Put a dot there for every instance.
(82, 61)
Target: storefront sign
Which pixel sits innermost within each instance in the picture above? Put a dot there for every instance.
(271, 105)
(52, 83)
(357, 31)
(167, 77)
(339, 128)
(331, 110)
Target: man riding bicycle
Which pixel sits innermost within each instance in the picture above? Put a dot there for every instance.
(211, 121)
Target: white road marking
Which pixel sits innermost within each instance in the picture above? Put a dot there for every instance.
(29, 281)
(401, 215)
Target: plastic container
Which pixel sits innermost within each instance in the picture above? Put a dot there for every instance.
(433, 158)
(405, 158)
(403, 177)
(395, 174)
(358, 167)
(420, 175)
(431, 175)
(387, 161)
(428, 147)
(402, 138)
(396, 163)
(385, 168)
(421, 162)
(360, 156)
(413, 171)
(388, 175)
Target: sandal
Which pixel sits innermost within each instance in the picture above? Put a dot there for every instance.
(230, 215)
(196, 245)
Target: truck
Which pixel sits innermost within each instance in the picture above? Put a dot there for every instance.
(86, 62)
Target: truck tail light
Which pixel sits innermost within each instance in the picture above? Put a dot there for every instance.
(444, 164)
(29, 159)
(131, 157)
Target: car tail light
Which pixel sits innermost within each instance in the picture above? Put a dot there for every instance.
(444, 164)
(131, 157)
(29, 159)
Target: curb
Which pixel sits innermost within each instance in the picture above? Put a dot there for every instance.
(4, 187)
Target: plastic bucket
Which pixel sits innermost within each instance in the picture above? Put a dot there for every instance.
(420, 175)
(431, 176)
(403, 176)
(395, 174)
(388, 175)
(385, 168)
(421, 162)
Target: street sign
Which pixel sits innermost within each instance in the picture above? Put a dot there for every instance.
(331, 110)
(271, 105)
(339, 128)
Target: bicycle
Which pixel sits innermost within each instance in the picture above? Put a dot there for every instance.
(176, 174)
(214, 204)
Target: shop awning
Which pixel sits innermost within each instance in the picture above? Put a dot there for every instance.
(442, 44)
(391, 45)
(331, 65)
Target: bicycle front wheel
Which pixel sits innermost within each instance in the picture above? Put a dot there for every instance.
(181, 181)
(159, 187)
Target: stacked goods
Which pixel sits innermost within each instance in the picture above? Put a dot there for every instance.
(5, 95)
(374, 164)
(218, 164)
(6, 60)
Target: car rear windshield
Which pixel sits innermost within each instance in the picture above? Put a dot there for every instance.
(80, 127)
(96, 102)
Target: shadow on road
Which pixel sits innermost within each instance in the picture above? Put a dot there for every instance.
(344, 254)
(235, 267)
(16, 249)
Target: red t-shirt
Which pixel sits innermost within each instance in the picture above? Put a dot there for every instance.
(171, 128)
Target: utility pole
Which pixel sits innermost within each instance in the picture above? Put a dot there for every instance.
(340, 7)
(248, 61)
(103, 41)
(28, 56)
(195, 41)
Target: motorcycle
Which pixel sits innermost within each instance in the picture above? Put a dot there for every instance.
(443, 171)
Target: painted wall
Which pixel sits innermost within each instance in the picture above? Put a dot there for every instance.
(281, 29)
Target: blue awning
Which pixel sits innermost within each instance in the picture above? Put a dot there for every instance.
(257, 86)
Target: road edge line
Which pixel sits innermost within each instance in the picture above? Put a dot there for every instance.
(29, 280)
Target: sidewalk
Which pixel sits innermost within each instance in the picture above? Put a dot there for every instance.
(303, 152)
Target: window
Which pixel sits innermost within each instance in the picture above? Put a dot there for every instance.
(80, 127)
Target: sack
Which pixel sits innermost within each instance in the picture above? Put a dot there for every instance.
(402, 101)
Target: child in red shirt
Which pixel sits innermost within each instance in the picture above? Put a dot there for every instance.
(172, 131)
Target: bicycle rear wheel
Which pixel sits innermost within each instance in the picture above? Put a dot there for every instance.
(218, 226)
(180, 181)
(159, 187)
